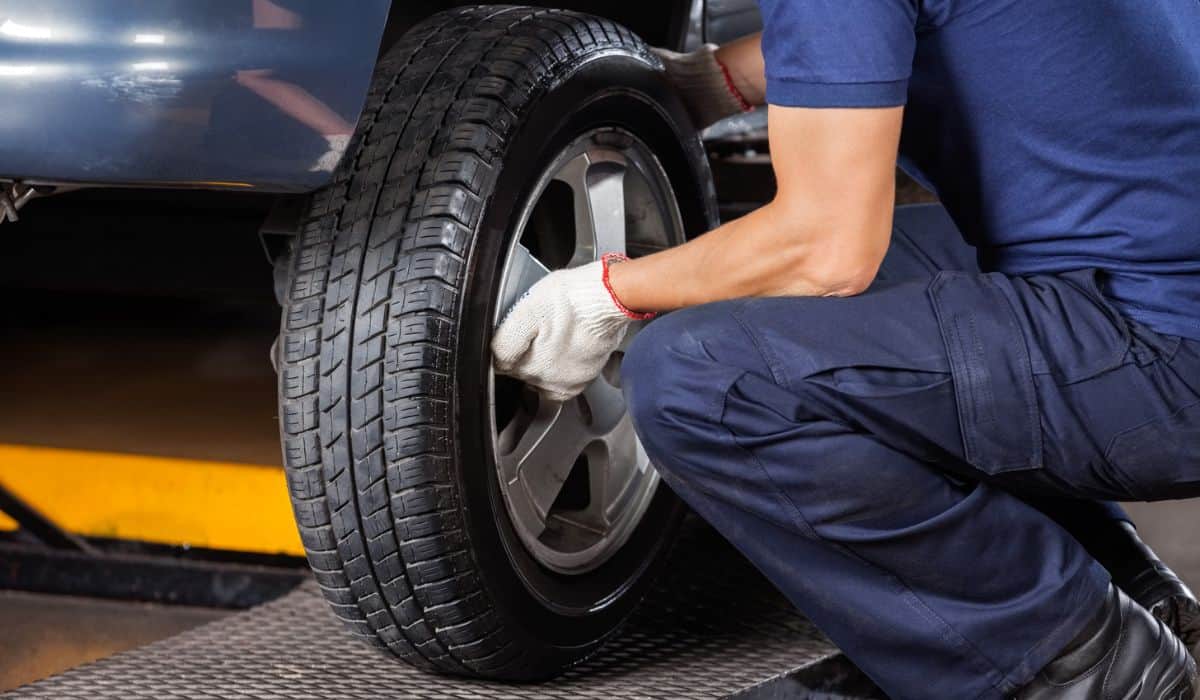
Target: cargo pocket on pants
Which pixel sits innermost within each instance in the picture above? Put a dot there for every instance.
(992, 372)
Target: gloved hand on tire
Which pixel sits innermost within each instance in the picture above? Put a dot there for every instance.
(704, 83)
(560, 334)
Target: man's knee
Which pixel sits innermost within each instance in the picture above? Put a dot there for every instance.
(695, 384)
(674, 377)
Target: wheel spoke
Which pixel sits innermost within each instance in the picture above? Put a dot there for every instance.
(624, 464)
(537, 467)
(523, 271)
(616, 458)
(597, 180)
(606, 405)
(606, 204)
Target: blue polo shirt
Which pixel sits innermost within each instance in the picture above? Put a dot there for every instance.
(1059, 134)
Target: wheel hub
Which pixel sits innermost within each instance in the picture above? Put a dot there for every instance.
(574, 476)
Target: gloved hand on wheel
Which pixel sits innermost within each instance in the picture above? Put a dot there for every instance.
(560, 334)
(704, 83)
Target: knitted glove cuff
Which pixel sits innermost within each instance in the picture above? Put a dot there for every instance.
(586, 290)
(607, 260)
(705, 84)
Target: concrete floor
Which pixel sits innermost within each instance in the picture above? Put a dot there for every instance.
(43, 635)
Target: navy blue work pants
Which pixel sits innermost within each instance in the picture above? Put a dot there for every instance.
(877, 456)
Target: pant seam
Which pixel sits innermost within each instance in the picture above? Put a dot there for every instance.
(764, 352)
(1032, 407)
(1022, 673)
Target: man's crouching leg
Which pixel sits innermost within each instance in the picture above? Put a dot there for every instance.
(935, 585)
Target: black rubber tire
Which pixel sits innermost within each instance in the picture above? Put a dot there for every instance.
(383, 353)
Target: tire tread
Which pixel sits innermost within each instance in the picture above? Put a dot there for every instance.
(369, 324)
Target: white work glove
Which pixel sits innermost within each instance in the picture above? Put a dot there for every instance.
(707, 90)
(560, 334)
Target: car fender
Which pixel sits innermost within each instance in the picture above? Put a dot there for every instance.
(226, 94)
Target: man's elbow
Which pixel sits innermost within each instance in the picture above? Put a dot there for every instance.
(850, 281)
(830, 253)
(835, 267)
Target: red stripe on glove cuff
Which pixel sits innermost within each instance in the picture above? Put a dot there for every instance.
(733, 90)
(608, 259)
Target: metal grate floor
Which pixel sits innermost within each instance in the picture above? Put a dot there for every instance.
(712, 627)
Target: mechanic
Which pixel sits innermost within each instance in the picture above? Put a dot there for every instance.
(914, 438)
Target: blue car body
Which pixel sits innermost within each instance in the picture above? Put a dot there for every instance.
(228, 94)
(237, 94)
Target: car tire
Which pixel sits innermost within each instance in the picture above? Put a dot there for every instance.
(388, 406)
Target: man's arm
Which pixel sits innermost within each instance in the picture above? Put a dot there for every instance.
(834, 127)
(829, 225)
(824, 234)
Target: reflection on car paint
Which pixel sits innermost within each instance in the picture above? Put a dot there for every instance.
(261, 93)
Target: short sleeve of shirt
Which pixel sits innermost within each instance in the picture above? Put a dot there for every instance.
(838, 53)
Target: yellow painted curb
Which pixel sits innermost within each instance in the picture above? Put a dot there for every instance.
(196, 503)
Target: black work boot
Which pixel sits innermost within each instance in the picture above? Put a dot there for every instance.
(1150, 582)
(1124, 653)
(1134, 567)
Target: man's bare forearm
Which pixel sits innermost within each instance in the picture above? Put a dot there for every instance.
(824, 234)
(759, 255)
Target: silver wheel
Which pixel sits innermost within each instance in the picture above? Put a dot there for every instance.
(574, 477)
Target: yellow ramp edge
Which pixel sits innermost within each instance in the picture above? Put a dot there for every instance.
(197, 503)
